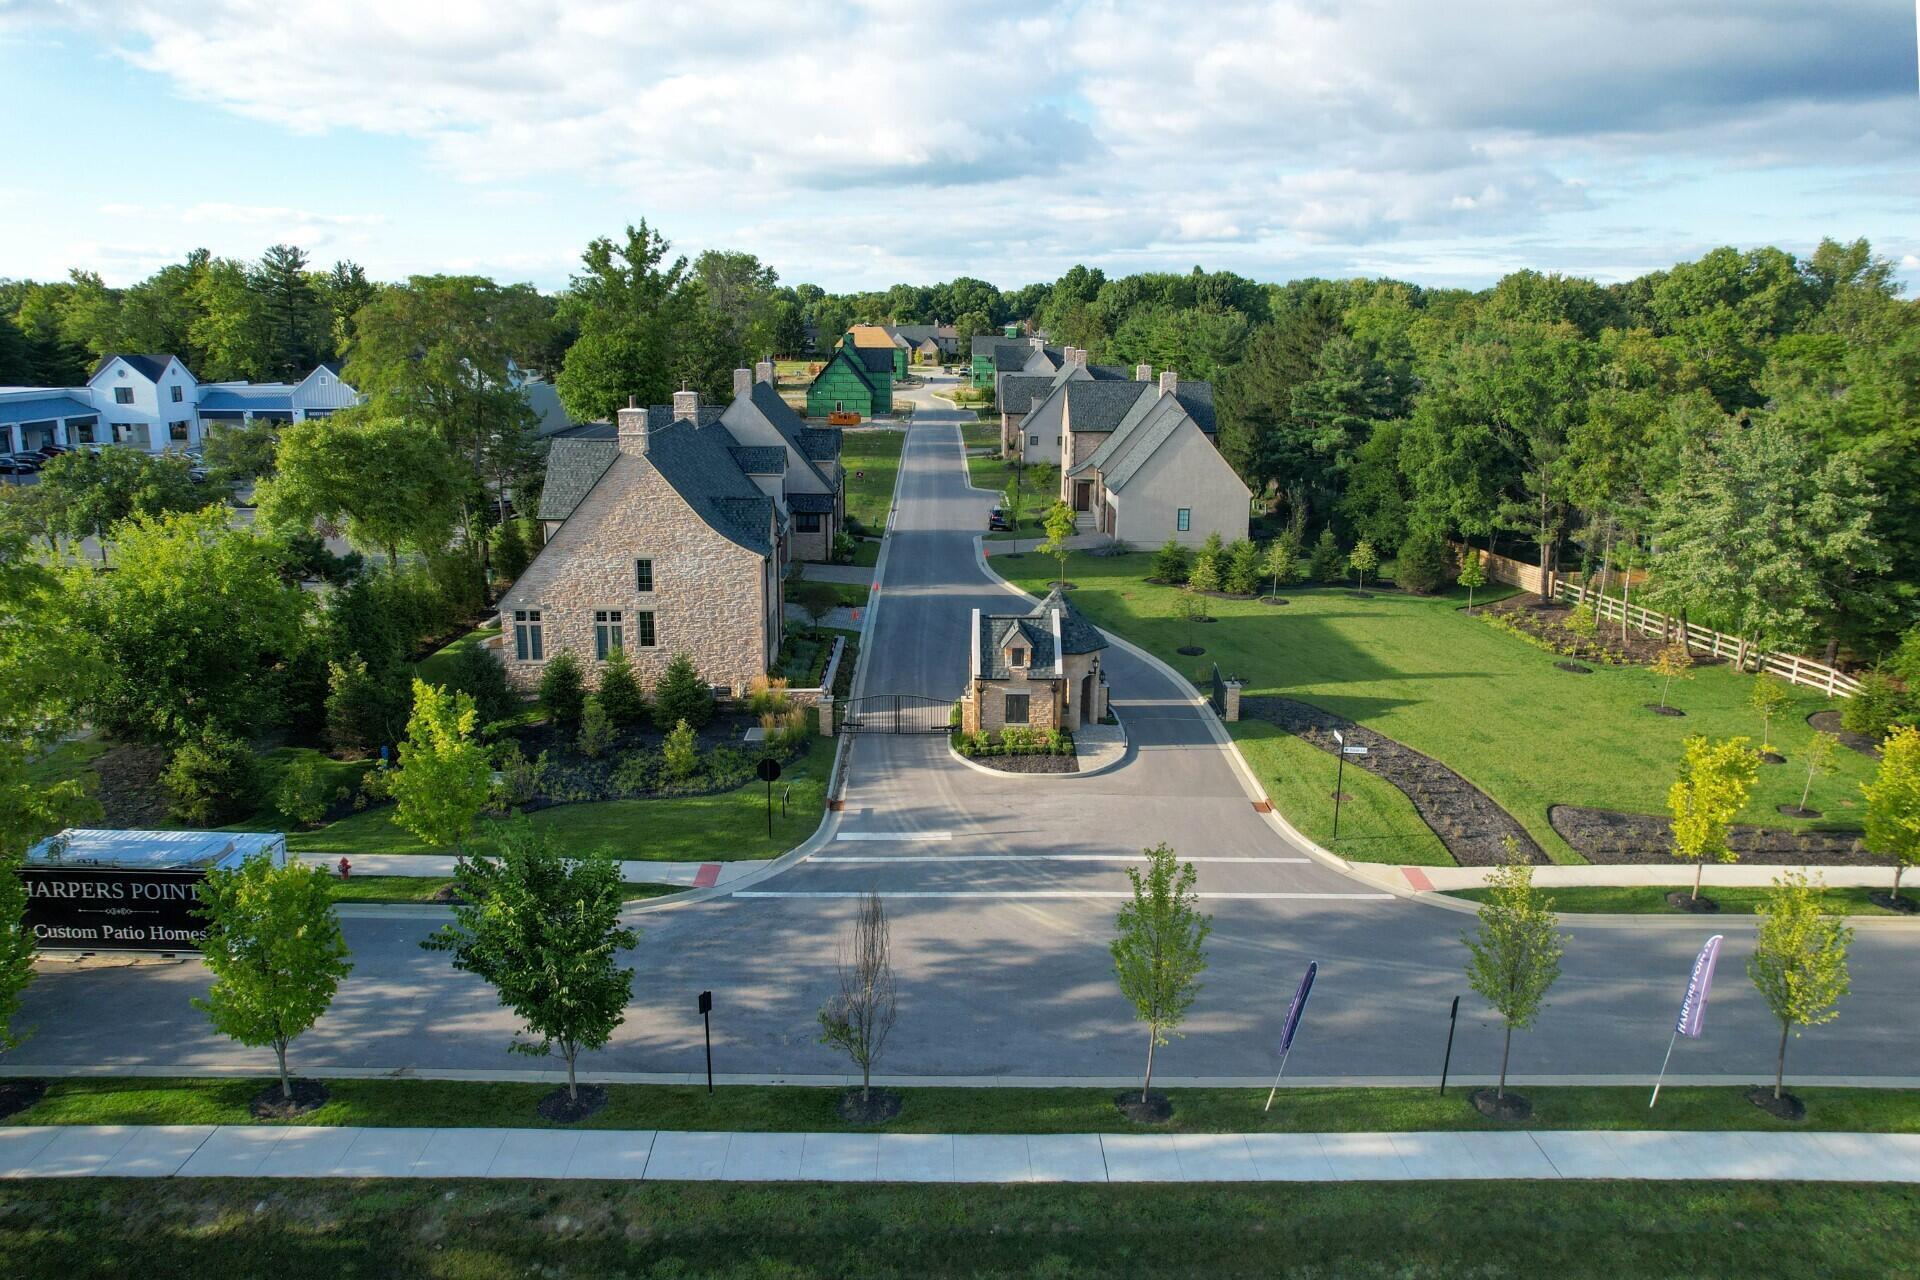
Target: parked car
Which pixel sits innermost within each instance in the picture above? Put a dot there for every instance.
(51, 450)
(27, 463)
(11, 466)
(997, 519)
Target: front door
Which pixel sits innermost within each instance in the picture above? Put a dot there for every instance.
(1082, 494)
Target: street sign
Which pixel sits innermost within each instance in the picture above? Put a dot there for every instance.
(706, 1025)
(768, 770)
(1339, 737)
(706, 1002)
(1353, 751)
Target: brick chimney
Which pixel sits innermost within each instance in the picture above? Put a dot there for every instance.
(633, 429)
(1143, 373)
(742, 383)
(686, 405)
(763, 372)
(1080, 357)
(1169, 382)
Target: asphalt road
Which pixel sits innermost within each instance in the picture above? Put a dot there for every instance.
(1001, 894)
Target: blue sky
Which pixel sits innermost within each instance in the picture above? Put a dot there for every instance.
(1440, 143)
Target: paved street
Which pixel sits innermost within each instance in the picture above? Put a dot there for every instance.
(1002, 895)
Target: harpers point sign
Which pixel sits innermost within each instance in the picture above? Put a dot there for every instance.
(113, 909)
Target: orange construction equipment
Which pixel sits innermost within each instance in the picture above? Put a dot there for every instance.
(843, 418)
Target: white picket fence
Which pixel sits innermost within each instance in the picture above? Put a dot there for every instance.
(1790, 667)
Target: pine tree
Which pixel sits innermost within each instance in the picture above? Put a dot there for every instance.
(681, 695)
(619, 692)
(562, 690)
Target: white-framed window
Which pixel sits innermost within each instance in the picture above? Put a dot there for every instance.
(1016, 708)
(1183, 519)
(1033, 440)
(1016, 657)
(643, 576)
(325, 380)
(528, 643)
(643, 637)
(123, 395)
(609, 633)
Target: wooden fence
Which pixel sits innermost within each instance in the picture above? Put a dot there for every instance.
(1790, 667)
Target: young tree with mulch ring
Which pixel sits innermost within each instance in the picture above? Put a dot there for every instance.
(1769, 699)
(1711, 789)
(1364, 560)
(1799, 964)
(857, 1018)
(444, 774)
(1674, 662)
(816, 599)
(277, 957)
(1473, 575)
(1278, 563)
(1893, 806)
(1059, 526)
(1823, 749)
(543, 929)
(1158, 957)
(1514, 961)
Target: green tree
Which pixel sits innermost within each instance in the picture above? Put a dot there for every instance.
(1171, 563)
(298, 324)
(1059, 527)
(628, 302)
(1243, 568)
(1364, 560)
(511, 554)
(1324, 563)
(1473, 575)
(682, 695)
(392, 482)
(1673, 662)
(596, 730)
(858, 1017)
(817, 599)
(619, 692)
(1423, 561)
(235, 453)
(441, 784)
(176, 661)
(680, 752)
(1010, 497)
(211, 780)
(1799, 960)
(1159, 951)
(1514, 956)
(1281, 561)
(364, 710)
(1704, 800)
(85, 494)
(543, 929)
(1893, 803)
(275, 951)
(301, 794)
(1768, 698)
(1822, 748)
(563, 690)
(1205, 574)
(479, 675)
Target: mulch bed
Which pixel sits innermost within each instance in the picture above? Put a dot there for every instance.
(562, 1109)
(1275, 600)
(1189, 651)
(1547, 621)
(1784, 1107)
(1574, 668)
(1157, 1109)
(1472, 827)
(1659, 710)
(1795, 811)
(1829, 722)
(877, 1107)
(271, 1104)
(1508, 1106)
(17, 1095)
(1906, 904)
(1772, 757)
(1700, 906)
(130, 793)
(1028, 764)
(1618, 839)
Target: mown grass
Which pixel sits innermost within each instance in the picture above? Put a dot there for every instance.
(417, 889)
(438, 667)
(986, 472)
(1485, 703)
(473, 1229)
(872, 460)
(790, 1109)
(1652, 899)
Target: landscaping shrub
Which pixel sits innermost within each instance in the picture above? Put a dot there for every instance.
(364, 712)
(681, 696)
(1172, 563)
(1243, 568)
(1326, 564)
(619, 692)
(1205, 575)
(301, 796)
(511, 554)
(596, 730)
(210, 781)
(1423, 562)
(681, 752)
(480, 676)
(519, 778)
(562, 691)
(637, 772)
(1876, 708)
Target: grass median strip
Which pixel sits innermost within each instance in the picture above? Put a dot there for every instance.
(782, 1109)
(475, 1228)
(376, 889)
(1652, 899)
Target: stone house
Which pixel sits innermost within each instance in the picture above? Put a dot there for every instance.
(802, 471)
(1033, 413)
(1039, 669)
(1143, 468)
(663, 539)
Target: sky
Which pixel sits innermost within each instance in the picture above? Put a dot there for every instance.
(868, 142)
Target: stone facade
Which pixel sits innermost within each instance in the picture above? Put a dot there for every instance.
(712, 598)
(1053, 702)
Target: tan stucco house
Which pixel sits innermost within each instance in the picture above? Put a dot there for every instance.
(669, 532)
(1039, 670)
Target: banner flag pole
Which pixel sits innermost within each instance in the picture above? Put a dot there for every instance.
(1693, 1007)
(1298, 1007)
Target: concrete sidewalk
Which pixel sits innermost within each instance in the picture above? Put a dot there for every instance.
(293, 1151)
(435, 865)
(1674, 874)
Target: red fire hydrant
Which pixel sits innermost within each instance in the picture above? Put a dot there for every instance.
(346, 868)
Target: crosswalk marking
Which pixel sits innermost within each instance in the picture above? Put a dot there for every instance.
(1034, 857)
(895, 835)
(1043, 893)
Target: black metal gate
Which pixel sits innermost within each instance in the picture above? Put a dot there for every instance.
(895, 713)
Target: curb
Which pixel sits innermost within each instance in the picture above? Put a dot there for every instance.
(1125, 755)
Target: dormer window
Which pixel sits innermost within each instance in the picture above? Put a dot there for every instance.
(1017, 656)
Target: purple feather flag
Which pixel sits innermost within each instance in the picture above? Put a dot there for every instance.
(1693, 1009)
(1298, 1007)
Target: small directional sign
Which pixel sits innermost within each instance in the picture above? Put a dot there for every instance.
(1353, 751)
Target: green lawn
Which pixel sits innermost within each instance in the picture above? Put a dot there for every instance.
(467, 1230)
(716, 828)
(360, 888)
(69, 760)
(872, 459)
(438, 667)
(994, 474)
(1652, 899)
(788, 1108)
(1485, 703)
(866, 552)
(981, 435)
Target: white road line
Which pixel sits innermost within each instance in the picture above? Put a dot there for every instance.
(1044, 893)
(894, 835)
(1031, 857)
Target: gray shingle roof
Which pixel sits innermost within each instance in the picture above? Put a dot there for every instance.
(815, 503)
(149, 367)
(1111, 373)
(760, 460)
(815, 444)
(1197, 399)
(875, 359)
(1100, 406)
(1077, 635)
(1021, 391)
(1124, 452)
(821, 444)
(574, 466)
